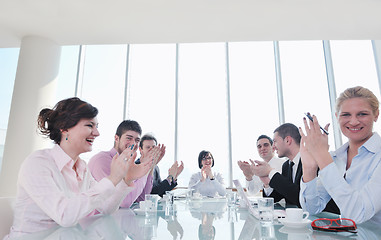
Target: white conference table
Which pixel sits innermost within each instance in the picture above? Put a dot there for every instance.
(195, 219)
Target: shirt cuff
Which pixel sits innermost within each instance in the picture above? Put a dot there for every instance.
(268, 190)
(330, 178)
(123, 187)
(106, 185)
(308, 188)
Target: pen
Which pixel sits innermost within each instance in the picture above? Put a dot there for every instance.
(310, 118)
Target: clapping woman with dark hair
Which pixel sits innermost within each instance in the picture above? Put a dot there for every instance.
(206, 182)
(55, 187)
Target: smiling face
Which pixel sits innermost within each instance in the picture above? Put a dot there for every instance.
(280, 145)
(82, 135)
(265, 150)
(207, 160)
(127, 139)
(356, 119)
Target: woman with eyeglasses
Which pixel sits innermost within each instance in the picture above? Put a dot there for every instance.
(351, 175)
(55, 187)
(207, 182)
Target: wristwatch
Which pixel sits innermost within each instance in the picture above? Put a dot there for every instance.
(170, 179)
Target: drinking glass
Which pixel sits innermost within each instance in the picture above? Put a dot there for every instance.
(150, 203)
(232, 198)
(266, 210)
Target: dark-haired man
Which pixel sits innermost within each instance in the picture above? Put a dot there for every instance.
(160, 186)
(287, 183)
(266, 152)
(127, 135)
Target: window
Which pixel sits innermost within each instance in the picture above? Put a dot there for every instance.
(202, 107)
(354, 65)
(67, 72)
(8, 66)
(305, 83)
(103, 87)
(202, 92)
(254, 107)
(151, 95)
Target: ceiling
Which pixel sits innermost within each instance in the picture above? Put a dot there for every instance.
(69, 22)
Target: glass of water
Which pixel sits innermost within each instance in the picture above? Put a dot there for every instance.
(266, 210)
(150, 203)
(231, 198)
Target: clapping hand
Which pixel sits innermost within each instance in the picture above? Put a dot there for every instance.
(136, 171)
(180, 168)
(312, 145)
(261, 168)
(246, 169)
(123, 164)
(176, 169)
(154, 155)
(206, 171)
(173, 170)
(162, 153)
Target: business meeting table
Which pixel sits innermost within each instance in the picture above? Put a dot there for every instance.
(202, 218)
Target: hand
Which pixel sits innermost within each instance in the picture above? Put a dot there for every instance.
(316, 144)
(159, 154)
(119, 166)
(265, 181)
(136, 171)
(246, 169)
(262, 169)
(173, 169)
(209, 173)
(179, 169)
(205, 172)
(153, 155)
(309, 164)
(162, 153)
(123, 166)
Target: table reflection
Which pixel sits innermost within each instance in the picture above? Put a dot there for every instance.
(207, 211)
(205, 219)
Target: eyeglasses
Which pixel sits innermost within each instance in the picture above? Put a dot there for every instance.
(334, 225)
(206, 158)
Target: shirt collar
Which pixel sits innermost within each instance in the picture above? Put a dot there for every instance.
(113, 152)
(372, 145)
(63, 160)
(296, 158)
(60, 157)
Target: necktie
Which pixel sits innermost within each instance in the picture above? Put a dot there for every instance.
(290, 171)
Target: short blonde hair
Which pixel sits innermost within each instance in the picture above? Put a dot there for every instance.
(358, 92)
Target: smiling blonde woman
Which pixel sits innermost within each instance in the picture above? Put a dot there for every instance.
(351, 175)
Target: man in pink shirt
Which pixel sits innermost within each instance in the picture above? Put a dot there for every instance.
(127, 136)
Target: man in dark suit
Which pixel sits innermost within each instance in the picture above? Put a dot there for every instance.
(287, 183)
(160, 186)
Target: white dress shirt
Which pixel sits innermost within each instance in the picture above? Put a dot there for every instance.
(208, 187)
(255, 185)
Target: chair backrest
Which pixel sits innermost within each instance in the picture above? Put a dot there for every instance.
(6, 215)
